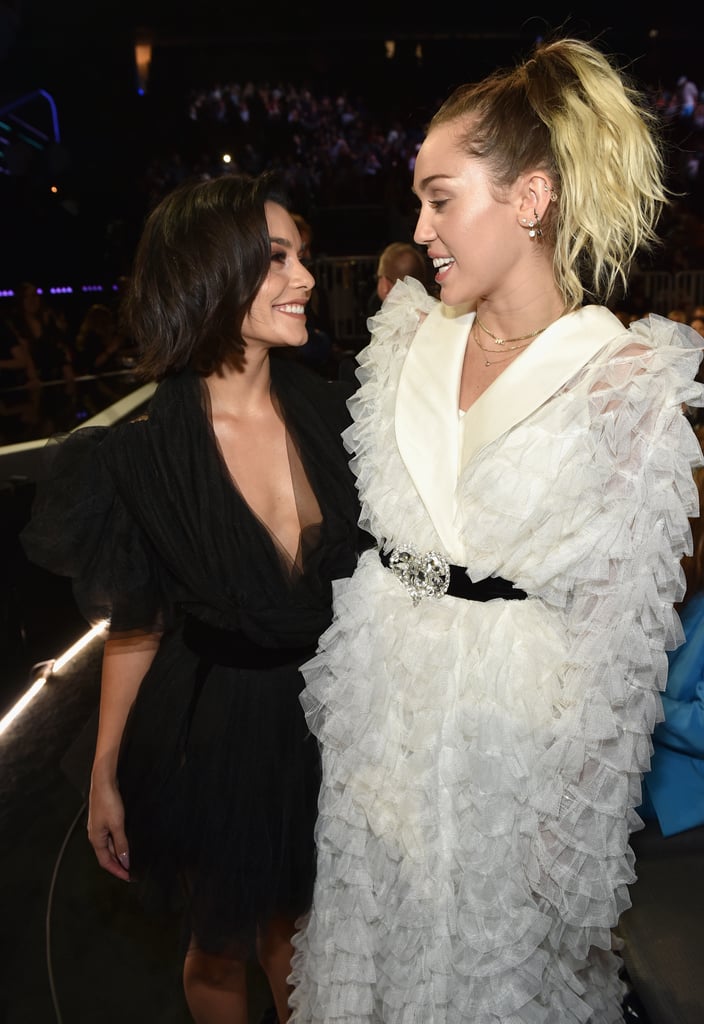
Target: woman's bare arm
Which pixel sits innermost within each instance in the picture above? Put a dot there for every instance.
(126, 660)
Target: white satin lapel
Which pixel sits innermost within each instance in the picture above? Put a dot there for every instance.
(426, 421)
(545, 366)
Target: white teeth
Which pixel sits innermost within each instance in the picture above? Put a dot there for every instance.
(292, 308)
(442, 261)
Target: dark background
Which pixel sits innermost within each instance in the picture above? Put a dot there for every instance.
(82, 55)
(110, 963)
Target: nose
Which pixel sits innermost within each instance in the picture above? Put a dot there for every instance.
(310, 280)
(304, 278)
(423, 234)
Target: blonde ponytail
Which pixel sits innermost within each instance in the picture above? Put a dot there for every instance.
(568, 111)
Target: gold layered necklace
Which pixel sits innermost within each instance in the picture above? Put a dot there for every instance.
(504, 353)
(510, 341)
(508, 345)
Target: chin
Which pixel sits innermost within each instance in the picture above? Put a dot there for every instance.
(290, 342)
(450, 298)
(457, 296)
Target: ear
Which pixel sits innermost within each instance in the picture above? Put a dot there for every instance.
(535, 192)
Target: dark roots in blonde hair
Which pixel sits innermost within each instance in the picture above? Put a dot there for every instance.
(568, 111)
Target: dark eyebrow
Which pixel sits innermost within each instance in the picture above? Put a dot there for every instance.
(429, 180)
(281, 241)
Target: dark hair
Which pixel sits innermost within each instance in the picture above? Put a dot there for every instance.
(202, 257)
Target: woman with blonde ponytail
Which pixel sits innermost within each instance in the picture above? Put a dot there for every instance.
(485, 696)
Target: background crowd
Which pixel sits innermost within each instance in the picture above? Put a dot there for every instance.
(344, 149)
(346, 156)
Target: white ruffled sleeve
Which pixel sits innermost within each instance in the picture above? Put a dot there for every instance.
(382, 479)
(618, 611)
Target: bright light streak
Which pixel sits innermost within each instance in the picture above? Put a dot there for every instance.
(52, 667)
(79, 645)
(22, 704)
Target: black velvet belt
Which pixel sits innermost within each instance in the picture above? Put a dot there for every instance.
(232, 649)
(431, 575)
(235, 650)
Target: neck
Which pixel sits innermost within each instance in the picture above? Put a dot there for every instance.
(519, 320)
(243, 389)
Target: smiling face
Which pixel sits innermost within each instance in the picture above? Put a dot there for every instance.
(473, 237)
(277, 316)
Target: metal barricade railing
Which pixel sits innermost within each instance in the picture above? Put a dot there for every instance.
(689, 289)
(662, 291)
(347, 282)
(654, 290)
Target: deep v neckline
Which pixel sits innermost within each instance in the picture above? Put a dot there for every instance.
(308, 510)
(309, 524)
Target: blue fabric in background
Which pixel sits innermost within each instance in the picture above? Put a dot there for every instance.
(673, 789)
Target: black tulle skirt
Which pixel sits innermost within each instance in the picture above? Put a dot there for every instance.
(220, 781)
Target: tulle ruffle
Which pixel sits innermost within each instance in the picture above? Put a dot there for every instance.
(382, 479)
(81, 528)
(432, 737)
(221, 787)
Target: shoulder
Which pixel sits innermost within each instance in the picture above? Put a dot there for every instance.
(298, 386)
(654, 352)
(654, 334)
(175, 393)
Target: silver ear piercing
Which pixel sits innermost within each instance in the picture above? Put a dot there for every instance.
(535, 228)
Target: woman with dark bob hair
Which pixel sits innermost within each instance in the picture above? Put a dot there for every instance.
(210, 532)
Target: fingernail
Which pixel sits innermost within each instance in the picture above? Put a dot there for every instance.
(124, 860)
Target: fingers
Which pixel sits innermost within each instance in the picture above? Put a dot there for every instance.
(119, 850)
(118, 872)
(106, 830)
(116, 864)
(111, 851)
(113, 867)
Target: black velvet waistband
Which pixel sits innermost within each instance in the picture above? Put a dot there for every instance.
(488, 589)
(235, 650)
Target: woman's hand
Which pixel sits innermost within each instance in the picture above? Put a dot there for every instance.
(106, 829)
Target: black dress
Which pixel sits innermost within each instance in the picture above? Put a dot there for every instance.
(218, 772)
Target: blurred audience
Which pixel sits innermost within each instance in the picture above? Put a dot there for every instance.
(43, 332)
(19, 388)
(98, 341)
(336, 147)
(339, 151)
(17, 369)
(688, 95)
(697, 323)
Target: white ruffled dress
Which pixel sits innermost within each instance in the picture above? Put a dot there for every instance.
(482, 761)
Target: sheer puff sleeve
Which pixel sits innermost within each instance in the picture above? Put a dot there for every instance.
(620, 622)
(81, 528)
